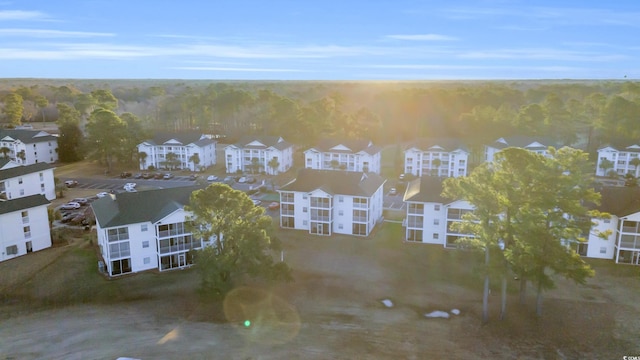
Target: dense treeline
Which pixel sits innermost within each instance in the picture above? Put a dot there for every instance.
(585, 114)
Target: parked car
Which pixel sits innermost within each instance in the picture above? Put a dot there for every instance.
(137, 176)
(212, 178)
(102, 194)
(193, 177)
(71, 183)
(147, 175)
(125, 174)
(229, 180)
(251, 180)
(168, 176)
(242, 180)
(401, 177)
(274, 205)
(393, 191)
(70, 206)
(131, 185)
(67, 217)
(158, 176)
(256, 202)
(130, 189)
(81, 201)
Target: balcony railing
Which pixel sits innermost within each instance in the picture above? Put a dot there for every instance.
(360, 205)
(320, 218)
(173, 232)
(629, 229)
(629, 242)
(180, 247)
(413, 211)
(284, 212)
(360, 219)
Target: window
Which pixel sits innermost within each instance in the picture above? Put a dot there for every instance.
(25, 217)
(143, 227)
(436, 236)
(19, 180)
(12, 250)
(340, 212)
(603, 250)
(304, 222)
(436, 221)
(304, 196)
(27, 232)
(41, 177)
(147, 260)
(340, 226)
(607, 221)
(42, 187)
(304, 209)
(21, 192)
(286, 197)
(118, 234)
(145, 244)
(436, 207)
(340, 198)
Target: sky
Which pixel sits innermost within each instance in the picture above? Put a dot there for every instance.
(320, 40)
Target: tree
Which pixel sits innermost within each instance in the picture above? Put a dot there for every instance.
(142, 157)
(22, 155)
(13, 108)
(635, 162)
(335, 164)
(70, 142)
(256, 165)
(242, 243)
(195, 159)
(105, 99)
(136, 134)
(533, 204)
(5, 151)
(42, 103)
(435, 167)
(105, 136)
(606, 165)
(274, 164)
(172, 160)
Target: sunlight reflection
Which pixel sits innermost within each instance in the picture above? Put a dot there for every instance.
(171, 335)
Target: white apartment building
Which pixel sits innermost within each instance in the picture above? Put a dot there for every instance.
(430, 216)
(324, 202)
(269, 154)
(533, 144)
(347, 155)
(620, 158)
(24, 226)
(18, 181)
(145, 230)
(187, 150)
(28, 147)
(436, 157)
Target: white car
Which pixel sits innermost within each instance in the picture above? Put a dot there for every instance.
(242, 180)
(70, 206)
(102, 194)
(212, 178)
(129, 186)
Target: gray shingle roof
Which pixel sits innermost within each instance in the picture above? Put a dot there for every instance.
(336, 182)
(635, 147)
(355, 145)
(184, 138)
(425, 189)
(448, 144)
(19, 204)
(27, 136)
(523, 141)
(23, 170)
(268, 141)
(143, 206)
(619, 201)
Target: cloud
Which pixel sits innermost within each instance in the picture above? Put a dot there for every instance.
(46, 33)
(233, 69)
(6, 15)
(540, 54)
(423, 37)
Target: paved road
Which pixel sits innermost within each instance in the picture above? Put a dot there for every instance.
(392, 202)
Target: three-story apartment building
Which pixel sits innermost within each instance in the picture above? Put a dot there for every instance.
(346, 155)
(430, 216)
(436, 157)
(323, 202)
(537, 145)
(184, 150)
(620, 160)
(269, 154)
(145, 230)
(18, 181)
(28, 147)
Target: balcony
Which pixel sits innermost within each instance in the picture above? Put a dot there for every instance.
(629, 242)
(286, 212)
(180, 247)
(172, 232)
(360, 219)
(320, 218)
(360, 205)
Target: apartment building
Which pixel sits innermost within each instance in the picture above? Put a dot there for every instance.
(346, 155)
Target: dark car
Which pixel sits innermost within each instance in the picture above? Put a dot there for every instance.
(251, 180)
(147, 176)
(193, 177)
(137, 176)
(67, 217)
(71, 183)
(125, 174)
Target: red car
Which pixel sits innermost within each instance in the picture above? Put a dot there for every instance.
(274, 205)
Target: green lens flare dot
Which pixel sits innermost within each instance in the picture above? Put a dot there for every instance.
(247, 323)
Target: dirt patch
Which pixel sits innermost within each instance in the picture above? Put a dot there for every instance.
(331, 310)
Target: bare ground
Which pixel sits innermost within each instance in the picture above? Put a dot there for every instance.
(333, 310)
